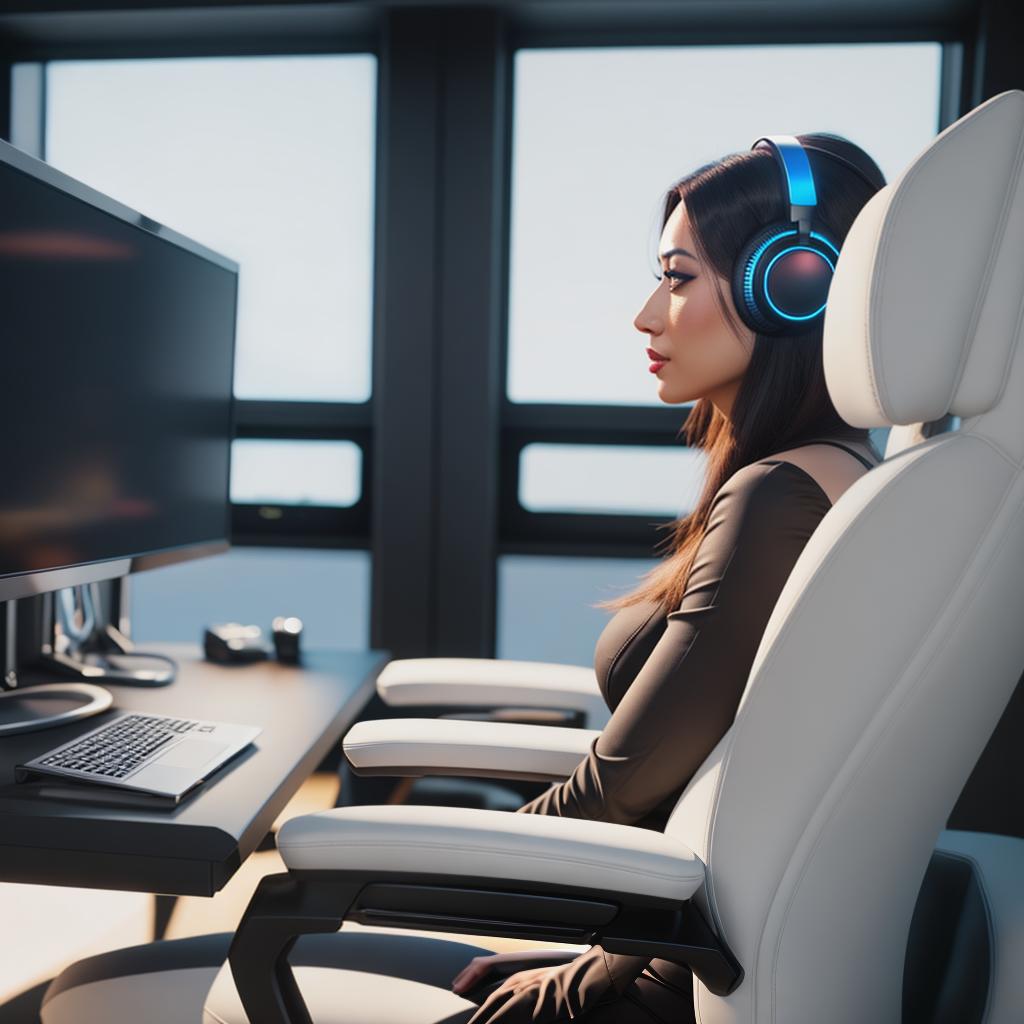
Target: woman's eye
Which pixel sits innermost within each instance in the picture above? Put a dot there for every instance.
(676, 276)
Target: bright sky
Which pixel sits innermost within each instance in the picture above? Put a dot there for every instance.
(601, 133)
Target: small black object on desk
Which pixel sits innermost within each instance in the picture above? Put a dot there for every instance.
(231, 643)
(286, 638)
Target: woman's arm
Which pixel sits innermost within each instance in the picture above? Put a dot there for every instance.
(685, 696)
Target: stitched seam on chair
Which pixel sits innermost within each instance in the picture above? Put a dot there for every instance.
(871, 301)
(886, 714)
(709, 825)
(421, 845)
(1012, 350)
(219, 1019)
(994, 445)
(882, 242)
(709, 878)
(986, 277)
(841, 541)
(882, 246)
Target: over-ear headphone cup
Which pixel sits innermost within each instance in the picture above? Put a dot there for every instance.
(780, 283)
(746, 279)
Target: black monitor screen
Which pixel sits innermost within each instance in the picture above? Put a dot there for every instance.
(115, 385)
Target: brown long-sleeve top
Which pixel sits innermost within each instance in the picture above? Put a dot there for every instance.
(673, 683)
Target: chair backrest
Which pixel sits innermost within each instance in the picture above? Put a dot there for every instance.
(896, 641)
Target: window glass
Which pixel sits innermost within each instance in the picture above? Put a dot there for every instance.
(626, 479)
(600, 133)
(296, 472)
(328, 590)
(268, 160)
(544, 608)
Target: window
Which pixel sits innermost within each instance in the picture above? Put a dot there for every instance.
(626, 479)
(544, 604)
(326, 589)
(268, 160)
(600, 133)
(322, 473)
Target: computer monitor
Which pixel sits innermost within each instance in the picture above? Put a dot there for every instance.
(115, 386)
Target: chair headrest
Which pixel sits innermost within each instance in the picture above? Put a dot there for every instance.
(924, 307)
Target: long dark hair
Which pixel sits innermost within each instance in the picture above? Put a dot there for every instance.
(782, 399)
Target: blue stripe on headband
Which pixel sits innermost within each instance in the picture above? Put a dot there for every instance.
(799, 180)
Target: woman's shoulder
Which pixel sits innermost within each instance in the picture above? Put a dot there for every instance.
(768, 491)
(767, 479)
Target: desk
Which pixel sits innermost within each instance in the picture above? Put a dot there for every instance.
(194, 848)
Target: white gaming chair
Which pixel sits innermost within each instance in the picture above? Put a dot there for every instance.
(789, 870)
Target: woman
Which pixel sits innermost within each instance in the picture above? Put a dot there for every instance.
(674, 660)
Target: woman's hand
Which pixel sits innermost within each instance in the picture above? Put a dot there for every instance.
(519, 998)
(543, 995)
(479, 967)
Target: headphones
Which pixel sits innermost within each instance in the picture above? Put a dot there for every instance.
(781, 278)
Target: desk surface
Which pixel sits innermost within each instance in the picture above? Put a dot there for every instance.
(195, 847)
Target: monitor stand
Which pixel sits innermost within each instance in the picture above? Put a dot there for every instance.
(49, 704)
(27, 708)
(77, 646)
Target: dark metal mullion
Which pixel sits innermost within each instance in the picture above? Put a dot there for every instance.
(472, 201)
(604, 424)
(951, 84)
(405, 333)
(272, 418)
(666, 24)
(996, 66)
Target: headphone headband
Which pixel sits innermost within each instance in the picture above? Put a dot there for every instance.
(794, 150)
(782, 275)
(796, 170)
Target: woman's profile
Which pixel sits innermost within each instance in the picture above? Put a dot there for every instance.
(724, 332)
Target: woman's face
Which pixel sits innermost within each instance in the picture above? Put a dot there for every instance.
(705, 358)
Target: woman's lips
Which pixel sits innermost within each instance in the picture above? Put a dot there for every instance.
(657, 360)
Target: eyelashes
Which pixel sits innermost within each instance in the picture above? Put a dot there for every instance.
(677, 277)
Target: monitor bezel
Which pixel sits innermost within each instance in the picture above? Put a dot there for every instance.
(41, 581)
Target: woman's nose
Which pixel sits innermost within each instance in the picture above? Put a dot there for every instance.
(647, 321)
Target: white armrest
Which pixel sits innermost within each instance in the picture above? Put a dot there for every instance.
(475, 843)
(444, 746)
(492, 682)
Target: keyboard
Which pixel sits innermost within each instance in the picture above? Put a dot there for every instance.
(154, 754)
(119, 748)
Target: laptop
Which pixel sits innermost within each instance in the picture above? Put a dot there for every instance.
(143, 753)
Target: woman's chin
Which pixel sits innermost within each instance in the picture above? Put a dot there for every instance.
(671, 395)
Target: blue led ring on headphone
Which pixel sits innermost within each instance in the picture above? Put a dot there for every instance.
(781, 278)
